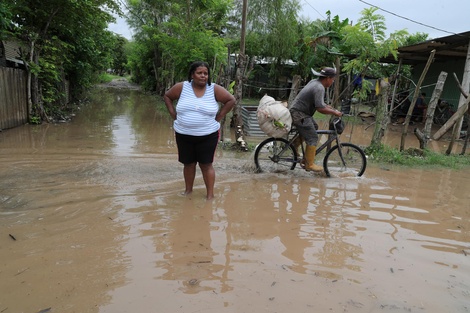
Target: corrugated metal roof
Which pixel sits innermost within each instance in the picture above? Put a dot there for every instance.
(448, 47)
(12, 51)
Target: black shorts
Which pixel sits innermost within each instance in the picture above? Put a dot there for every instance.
(192, 149)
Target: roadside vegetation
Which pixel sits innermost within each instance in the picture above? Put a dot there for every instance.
(106, 78)
(415, 158)
(66, 44)
(169, 35)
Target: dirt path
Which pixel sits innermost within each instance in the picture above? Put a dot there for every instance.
(120, 83)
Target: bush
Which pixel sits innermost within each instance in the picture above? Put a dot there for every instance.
(415, 157)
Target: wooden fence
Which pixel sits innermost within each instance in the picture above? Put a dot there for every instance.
(13, 98)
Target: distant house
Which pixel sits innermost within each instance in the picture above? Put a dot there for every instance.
(450, 57)
(260, 81)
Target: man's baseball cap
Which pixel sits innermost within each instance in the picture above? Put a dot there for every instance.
(325, 72)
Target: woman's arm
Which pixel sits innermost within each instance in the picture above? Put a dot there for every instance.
(227, 100)
(171, 95)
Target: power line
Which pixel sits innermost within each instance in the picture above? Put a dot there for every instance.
(405, 18)
(314, 9)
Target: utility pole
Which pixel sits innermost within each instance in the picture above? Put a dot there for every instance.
(239, 79)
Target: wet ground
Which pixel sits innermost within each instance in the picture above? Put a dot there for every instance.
(92, 220)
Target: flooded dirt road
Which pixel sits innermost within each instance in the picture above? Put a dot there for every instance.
(92, 220)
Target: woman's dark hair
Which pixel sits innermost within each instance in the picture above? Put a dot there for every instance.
(197, 64)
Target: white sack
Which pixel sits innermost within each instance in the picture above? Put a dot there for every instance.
(274, 118)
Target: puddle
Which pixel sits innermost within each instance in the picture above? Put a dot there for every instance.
(99, 225)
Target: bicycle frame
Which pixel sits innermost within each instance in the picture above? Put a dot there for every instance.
(332, 136)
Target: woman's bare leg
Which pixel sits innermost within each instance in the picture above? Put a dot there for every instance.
(208, 174)
(189, 173)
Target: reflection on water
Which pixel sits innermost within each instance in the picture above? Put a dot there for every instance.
(123, 136)
(100, 226)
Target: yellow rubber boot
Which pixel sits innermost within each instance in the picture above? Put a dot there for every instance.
(310, 165)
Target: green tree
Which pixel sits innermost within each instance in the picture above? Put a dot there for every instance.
(373, 23)
(275, 24)
(367, 41)
(320, 43)
(172, 35)
(5, 19)
(271, 32)
(119, 55)
(415, 39)
(65, 38)
(5, 25)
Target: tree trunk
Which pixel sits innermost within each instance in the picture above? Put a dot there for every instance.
(381, 119)
(465, 144)
(453, 119)
(157, 67)
(35, 106)
(455, 135)
(294, 89)
(415, 97)
(436, 95)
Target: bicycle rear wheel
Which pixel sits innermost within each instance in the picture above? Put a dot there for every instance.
(354, 164)
(275, 155)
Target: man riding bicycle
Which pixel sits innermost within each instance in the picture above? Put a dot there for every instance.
(309, 100)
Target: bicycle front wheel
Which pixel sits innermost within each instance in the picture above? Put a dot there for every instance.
(275, 155)
(349, 160)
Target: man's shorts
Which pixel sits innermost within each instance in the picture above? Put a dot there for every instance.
(192, 149)
(306, 126)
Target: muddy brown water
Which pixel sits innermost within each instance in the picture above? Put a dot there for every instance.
(92, 220)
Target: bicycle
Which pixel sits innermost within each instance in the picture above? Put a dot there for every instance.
(279, 154)
(442, 113)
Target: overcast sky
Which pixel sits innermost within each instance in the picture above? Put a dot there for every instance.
(438, 18)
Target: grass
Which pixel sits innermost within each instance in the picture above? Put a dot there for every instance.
(416, 158)
(250, 101)
(106, 78)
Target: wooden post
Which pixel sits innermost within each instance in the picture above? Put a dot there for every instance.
(455, 134)
(465, 90)
(394, 93)
(240, 78)
(460, 112)
(447, 125)
(436, 95)
(336, 92)
(415, 97)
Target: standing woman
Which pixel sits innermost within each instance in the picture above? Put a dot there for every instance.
(196, 123)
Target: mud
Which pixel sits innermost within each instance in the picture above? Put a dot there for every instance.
(92, 220)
